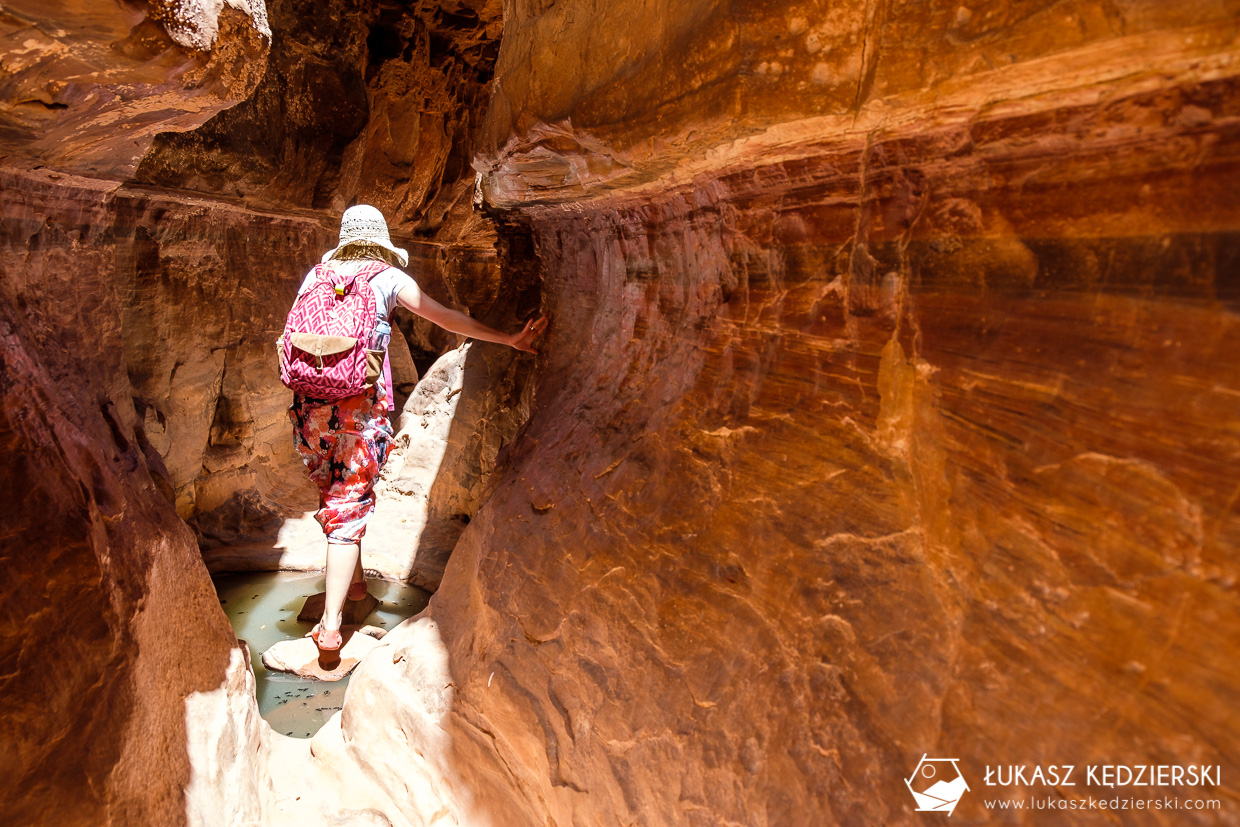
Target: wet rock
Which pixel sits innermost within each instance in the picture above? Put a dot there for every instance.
(303, 658)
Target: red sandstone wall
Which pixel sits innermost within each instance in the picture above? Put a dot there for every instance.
(889, 408)
(110, 623)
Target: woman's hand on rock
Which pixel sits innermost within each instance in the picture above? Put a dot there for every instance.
(521, 341)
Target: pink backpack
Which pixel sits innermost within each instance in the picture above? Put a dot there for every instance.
(323, 349)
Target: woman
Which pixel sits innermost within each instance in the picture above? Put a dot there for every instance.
(345, 443)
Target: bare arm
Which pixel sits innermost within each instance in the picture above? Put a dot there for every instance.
(414, 300)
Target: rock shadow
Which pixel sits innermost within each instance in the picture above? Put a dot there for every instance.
(491, 405)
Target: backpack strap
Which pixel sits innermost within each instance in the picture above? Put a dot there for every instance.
(366, 272)
(343, 282)
(371, 269)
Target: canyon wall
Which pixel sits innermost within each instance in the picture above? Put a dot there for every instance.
(889, 408)
(86, 88)
(117, 662)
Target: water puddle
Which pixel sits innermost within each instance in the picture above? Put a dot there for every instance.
(263, 607)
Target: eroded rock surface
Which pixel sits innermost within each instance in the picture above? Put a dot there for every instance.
(139, 379)
(378, 105)
(205, 274)
(888, 409)
(116, 658)
(85, 87)
(375, 104)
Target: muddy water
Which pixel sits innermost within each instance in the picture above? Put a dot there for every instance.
(263, 607)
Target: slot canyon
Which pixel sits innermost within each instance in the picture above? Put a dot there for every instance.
(889, 407)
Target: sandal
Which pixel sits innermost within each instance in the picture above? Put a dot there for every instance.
(357, 591)
(328, 640)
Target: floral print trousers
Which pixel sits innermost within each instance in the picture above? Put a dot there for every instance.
(344, 445)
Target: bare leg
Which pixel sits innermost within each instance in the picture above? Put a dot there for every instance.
(342, 560)
(359, 574)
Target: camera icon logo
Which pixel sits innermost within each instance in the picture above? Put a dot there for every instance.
(937, 784)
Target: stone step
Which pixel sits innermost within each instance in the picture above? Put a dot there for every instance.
(301, 656)
(355, 611)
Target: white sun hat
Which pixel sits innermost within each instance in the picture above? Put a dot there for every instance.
(364, 223)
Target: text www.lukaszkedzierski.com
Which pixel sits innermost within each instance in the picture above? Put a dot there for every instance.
(1091, 803)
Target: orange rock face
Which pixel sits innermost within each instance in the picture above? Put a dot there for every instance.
(117, 663)
(85, 87)
(889, 408)
(111, 623)
(138, 378)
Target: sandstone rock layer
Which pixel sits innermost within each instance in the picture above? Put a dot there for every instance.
(127, 698)
(85, 87)
(888, 409)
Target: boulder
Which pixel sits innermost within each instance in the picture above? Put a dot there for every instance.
(303, 658)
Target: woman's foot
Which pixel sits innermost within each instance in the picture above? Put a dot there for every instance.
(328, 640)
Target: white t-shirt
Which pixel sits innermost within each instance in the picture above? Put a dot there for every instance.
(386, 286)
